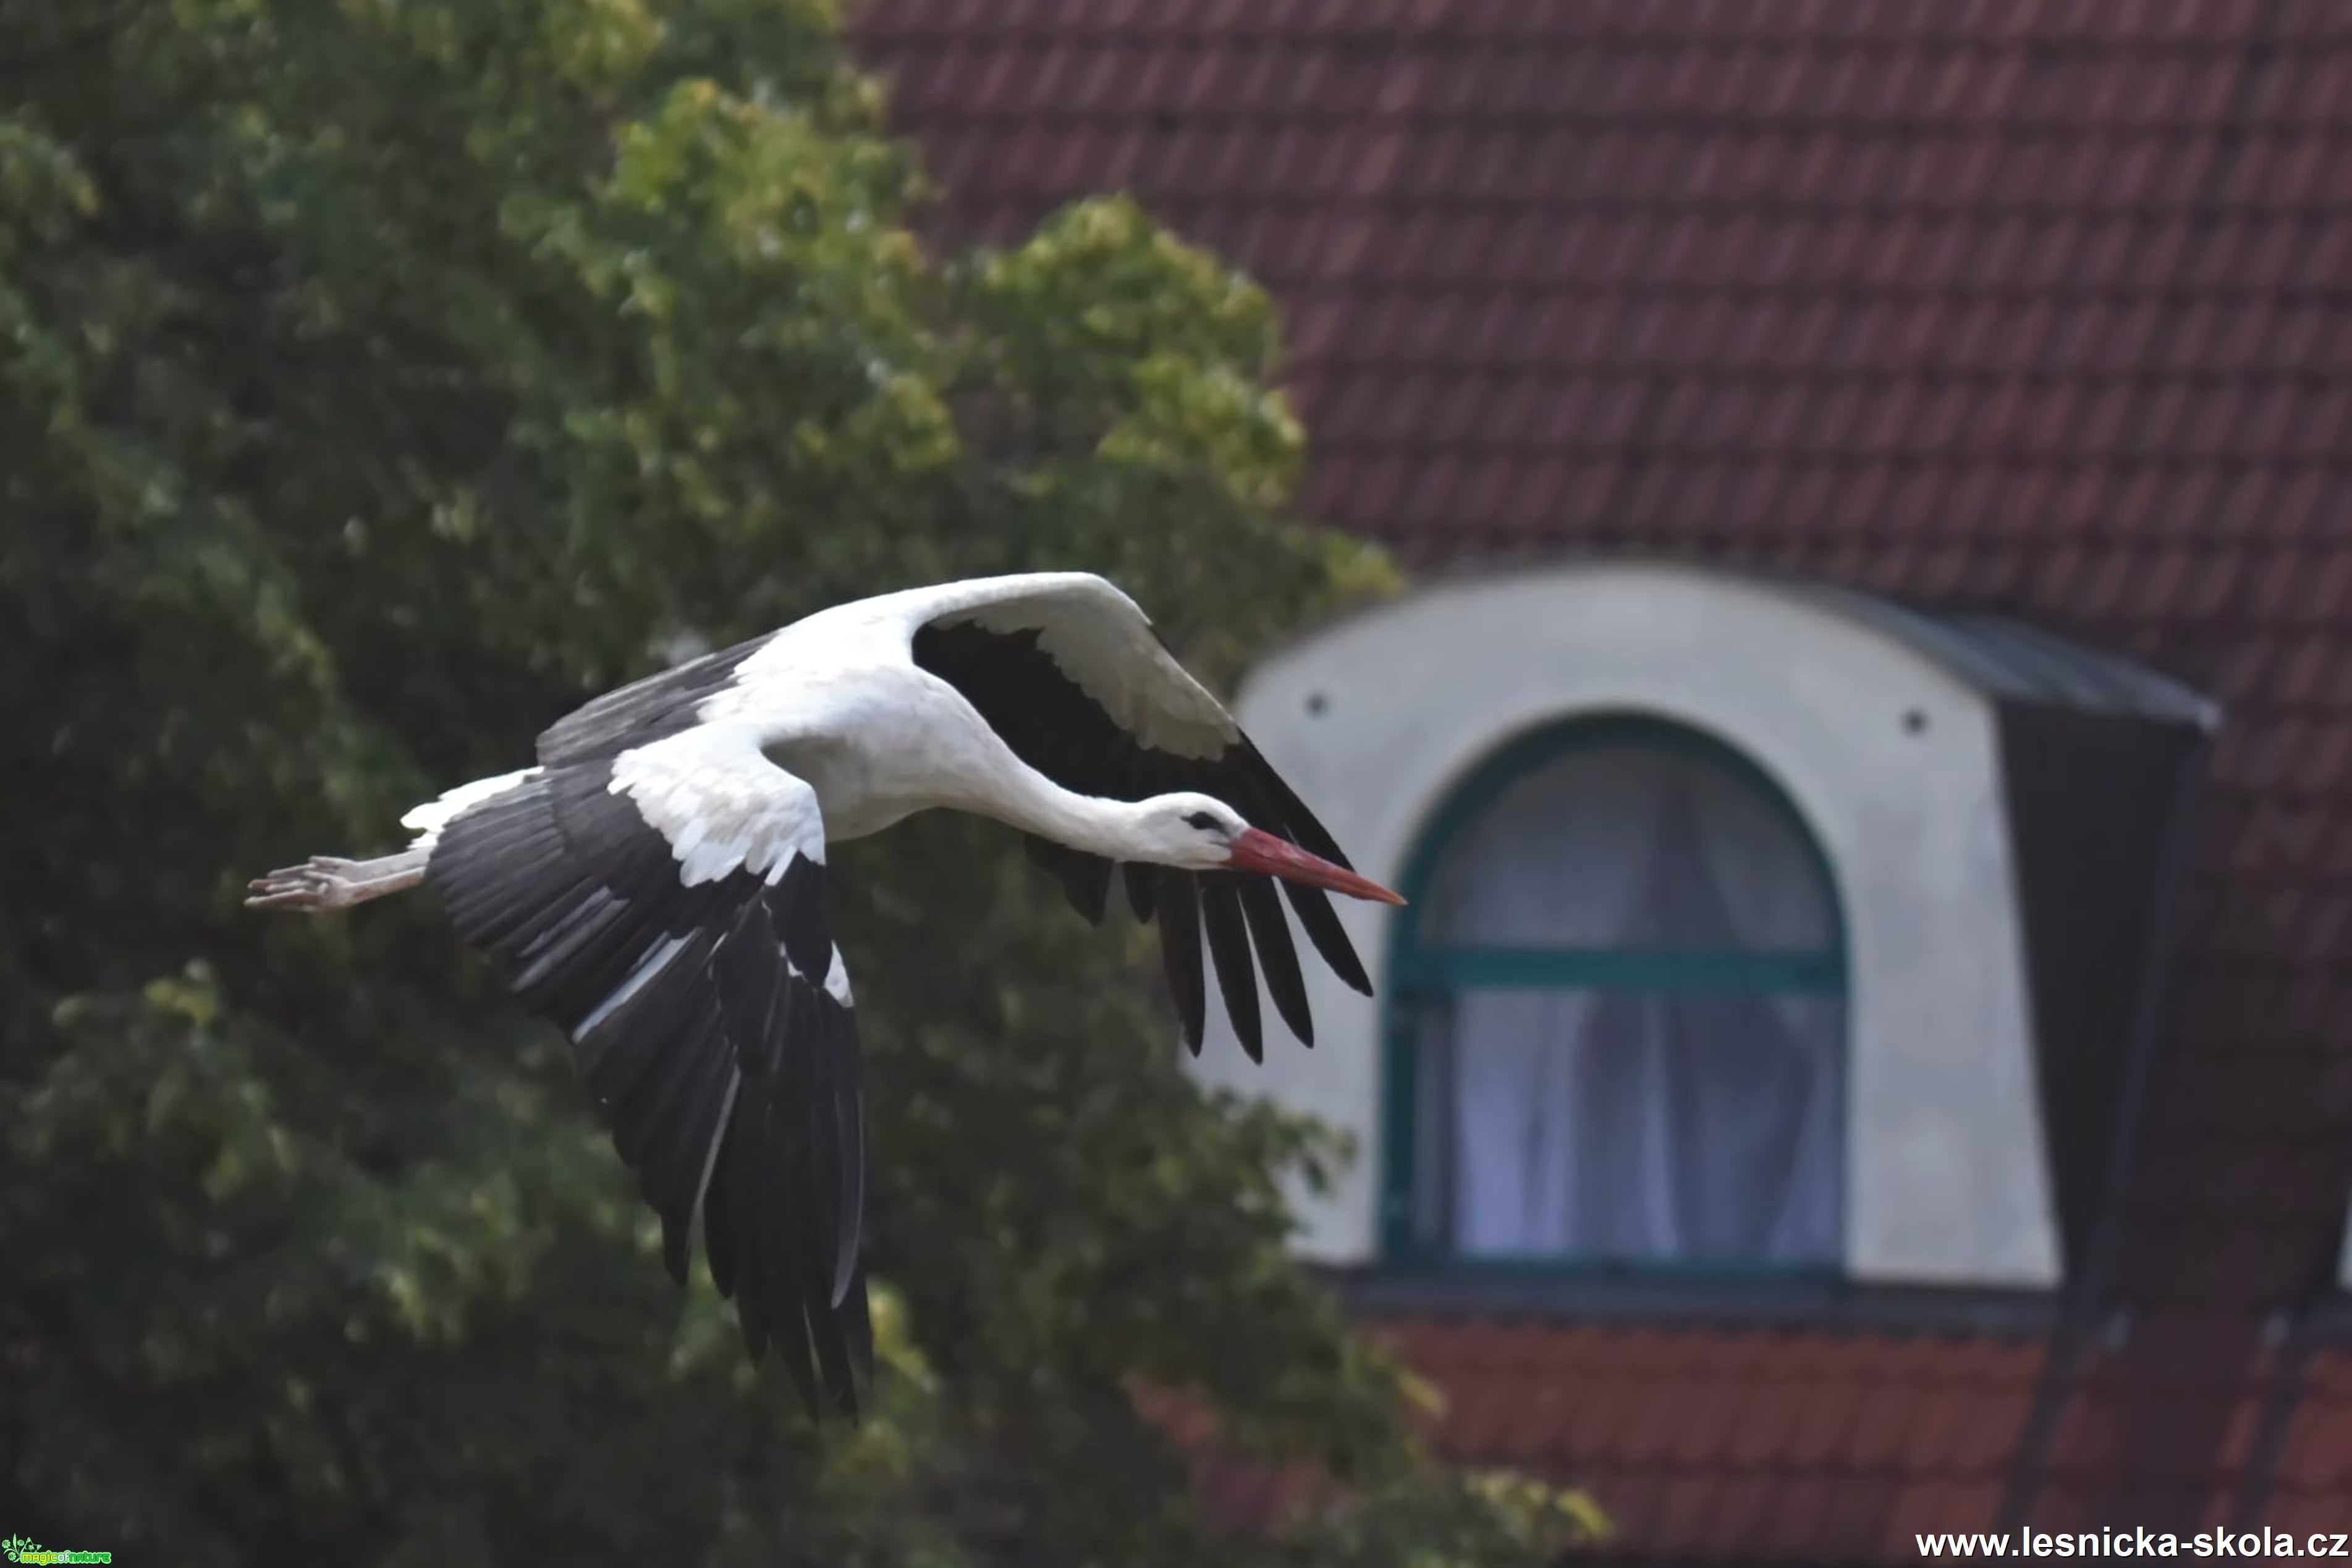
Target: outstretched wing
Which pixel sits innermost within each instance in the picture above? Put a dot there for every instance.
(653, 709)
(1069, 672)
(665, 905)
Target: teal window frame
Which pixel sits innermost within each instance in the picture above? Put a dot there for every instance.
(1418, 969)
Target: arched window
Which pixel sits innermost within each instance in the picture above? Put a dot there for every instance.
(1617, 1030)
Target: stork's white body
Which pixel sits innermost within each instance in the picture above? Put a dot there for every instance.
(836, 700)
(655, 884)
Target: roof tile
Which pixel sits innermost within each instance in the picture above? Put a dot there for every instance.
(1938, 1504)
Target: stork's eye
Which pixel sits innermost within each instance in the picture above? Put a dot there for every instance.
(1201, 819)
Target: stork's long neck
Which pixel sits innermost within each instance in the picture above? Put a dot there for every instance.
(1027, 799)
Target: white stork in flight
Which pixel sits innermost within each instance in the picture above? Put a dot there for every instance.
(655, 885)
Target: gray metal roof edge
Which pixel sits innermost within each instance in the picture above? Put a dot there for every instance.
(2017, 660)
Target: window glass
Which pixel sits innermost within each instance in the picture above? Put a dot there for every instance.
(1622, 1001)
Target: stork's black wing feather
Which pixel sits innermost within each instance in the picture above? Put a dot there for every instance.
(711, 1025)
(661, 704)
(1229, 945)
(1180, 950)
(1084, 877)
(1143, 888)
(1051, 723)
(1276, 957)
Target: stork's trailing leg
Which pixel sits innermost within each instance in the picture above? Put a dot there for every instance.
(323, 882)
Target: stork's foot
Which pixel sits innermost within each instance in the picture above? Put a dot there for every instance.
(324, 882)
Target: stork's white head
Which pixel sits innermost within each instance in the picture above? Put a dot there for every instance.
(1201, 833)
(1196, 831)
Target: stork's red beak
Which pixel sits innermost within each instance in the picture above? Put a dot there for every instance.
(1259, 850)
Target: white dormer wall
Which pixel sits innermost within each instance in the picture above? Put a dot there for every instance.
(1893, 760)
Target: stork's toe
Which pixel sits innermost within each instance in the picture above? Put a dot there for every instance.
(299, 899)
(307, 886)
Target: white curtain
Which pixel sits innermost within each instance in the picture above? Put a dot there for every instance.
(1639, 1124)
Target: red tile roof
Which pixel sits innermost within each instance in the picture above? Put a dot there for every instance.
(2315, 1473)
(2036, 306)
(1713, 1443)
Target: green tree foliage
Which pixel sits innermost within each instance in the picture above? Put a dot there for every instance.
(379, 378)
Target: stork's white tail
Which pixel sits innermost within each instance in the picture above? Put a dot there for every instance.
(324, 882)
